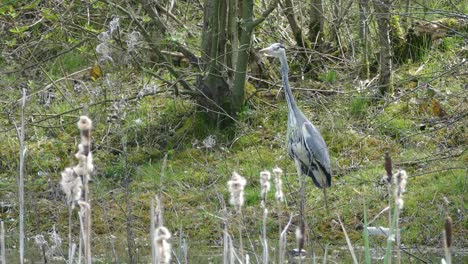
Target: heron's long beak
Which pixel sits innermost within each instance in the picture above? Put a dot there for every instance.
(265, 51)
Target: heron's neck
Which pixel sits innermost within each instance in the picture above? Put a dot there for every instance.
(287, 89)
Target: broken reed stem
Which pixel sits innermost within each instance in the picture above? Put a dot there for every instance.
(152, 233)
(350, 246)
(397, 234)
(264, 238)
(70, 229)
(388, 165)
(282, 241)
(2, 243)
(21, 179)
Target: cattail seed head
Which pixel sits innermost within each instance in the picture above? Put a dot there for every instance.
(300, 239)
(236, 189)
(278, 171)
(162, 245)
(388, 166)
(71, 185)
(400, 180)
(264, 184)
(279, 195)
(84, 123)
(448, 231)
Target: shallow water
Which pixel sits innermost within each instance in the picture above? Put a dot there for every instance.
(104, 252)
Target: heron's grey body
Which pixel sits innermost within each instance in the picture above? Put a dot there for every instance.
(305, 144)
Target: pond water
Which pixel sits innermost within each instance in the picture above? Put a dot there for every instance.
(116, 252)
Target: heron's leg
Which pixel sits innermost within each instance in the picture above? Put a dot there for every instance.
(324, 187)
(301, 204)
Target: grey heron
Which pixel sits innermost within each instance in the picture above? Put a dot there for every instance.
(305, 144)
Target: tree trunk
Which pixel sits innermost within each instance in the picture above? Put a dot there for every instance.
(224, 50)
(382, 9)
(363, 35)
(334, 24)
(213, 85)
(316, 22)
(288, 9)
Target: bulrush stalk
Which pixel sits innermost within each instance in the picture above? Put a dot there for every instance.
(447, 233)
(399, 180)
(2, 243)
(279, 197)
(236, 189)
(163, 247)
(265, 187)
(400, 188)
(74, 184)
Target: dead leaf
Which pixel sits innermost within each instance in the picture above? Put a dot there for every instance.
(95, 72)
(437, 109)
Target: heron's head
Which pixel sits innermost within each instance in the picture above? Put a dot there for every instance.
(275, 50)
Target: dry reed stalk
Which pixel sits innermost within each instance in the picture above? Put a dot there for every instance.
(265, 187)
(74, 184)
(163, 247)
(160, 235)
(282, 241)
(447, 234)
(388, 165)
(152, 233)
(350, 246)
(264, 238)
(2, 243)
(21, 135)
(400, 187)
(279, 197)
(236, 187)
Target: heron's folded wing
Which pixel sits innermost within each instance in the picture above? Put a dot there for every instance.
(316, 146)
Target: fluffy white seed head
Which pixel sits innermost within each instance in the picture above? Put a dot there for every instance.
(236, 188)
(265, 183)
(298, 234)
(278, 171)
(237, 182)
(162, 233)
(163, 246)
(400, 180)
(85, 123)
(71, 185)
(279, 195)
(85, 163)
(400, 202)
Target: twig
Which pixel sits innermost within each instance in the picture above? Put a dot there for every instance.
(46, 59)
(350, 246)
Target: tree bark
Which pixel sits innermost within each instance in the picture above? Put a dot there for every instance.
(288, 9)
(383, 9)
(363, 35)
(334, 25)
(213, 84)
(316, 22)
(226, 54)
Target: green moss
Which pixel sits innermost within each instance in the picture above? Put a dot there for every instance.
(358, 106)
